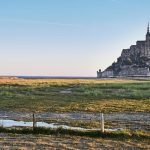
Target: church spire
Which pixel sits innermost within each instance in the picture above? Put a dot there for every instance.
(148, 28)
(148, 33)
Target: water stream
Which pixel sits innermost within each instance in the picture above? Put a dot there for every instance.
(13, 123)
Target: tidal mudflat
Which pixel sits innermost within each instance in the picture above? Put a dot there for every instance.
(76, 103)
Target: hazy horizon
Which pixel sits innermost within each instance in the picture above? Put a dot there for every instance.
(67, 38)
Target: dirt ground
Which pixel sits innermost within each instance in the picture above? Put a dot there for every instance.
(145, 116)
(48, 142)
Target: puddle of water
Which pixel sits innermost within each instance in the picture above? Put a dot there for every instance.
(66, 91)
(13, 123)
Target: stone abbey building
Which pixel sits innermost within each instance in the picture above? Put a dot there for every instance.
(134, 61)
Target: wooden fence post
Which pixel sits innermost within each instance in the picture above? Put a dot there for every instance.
(102, 123)
(34, 121)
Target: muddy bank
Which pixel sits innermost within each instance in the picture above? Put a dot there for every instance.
(28, 142)
(131, 121)
(138, 116)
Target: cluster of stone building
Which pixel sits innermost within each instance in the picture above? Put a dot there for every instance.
(134, 61)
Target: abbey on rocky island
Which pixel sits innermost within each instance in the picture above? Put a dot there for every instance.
(134, 61)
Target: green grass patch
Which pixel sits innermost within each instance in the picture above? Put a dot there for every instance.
(86, 95)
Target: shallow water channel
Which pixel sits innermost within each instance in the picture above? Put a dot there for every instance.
(13, 123)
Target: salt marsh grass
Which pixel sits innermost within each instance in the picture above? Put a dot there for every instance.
(113, 95)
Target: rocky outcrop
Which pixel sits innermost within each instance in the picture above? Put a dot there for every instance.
(134, 61)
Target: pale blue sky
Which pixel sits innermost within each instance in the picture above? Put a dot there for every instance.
(67, 37)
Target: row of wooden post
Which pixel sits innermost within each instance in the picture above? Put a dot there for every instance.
(102, 122)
